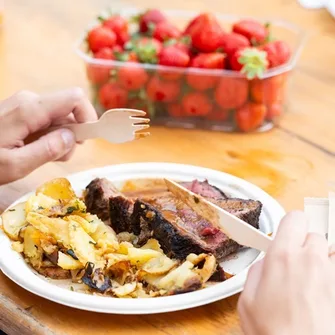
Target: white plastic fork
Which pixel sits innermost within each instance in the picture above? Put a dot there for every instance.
(117, 125)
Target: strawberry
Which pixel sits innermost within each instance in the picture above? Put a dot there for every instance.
(206, 33)
(126, 56)
(231, 92)
(160, 90)
(196, 104)
(268, 91)
(274, 111)
(165, 30)
(146, 49)
(132, 77)
(232, 42)
(218, 114)
(175, 110)
(119, 26)
(254, 31)
(213, 60)
(117, 48)
(172, 56)
(98, 74)
(192, 24)
(151, 16)
(111, 95)
(250, 116)
(183, 43)
(278, 53)
(100, 37)
(250, 61)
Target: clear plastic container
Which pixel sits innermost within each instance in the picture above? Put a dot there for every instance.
(170, 94)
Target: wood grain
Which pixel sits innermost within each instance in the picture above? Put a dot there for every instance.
(290, 162)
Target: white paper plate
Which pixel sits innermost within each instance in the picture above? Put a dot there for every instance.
(14, 267)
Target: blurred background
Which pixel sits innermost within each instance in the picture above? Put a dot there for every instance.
(37, 37)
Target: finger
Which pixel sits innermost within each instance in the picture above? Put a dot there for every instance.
(331, 253)
(291, 233)
(316, 242)
(253, 278)
(69, 101)
(67, 156)
(47, 148)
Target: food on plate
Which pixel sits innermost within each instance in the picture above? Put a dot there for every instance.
(156, 213)
(149, 244)
(177, 60)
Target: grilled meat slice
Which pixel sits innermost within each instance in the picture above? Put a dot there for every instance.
(181, 231)
(204, 189)
(97, 195)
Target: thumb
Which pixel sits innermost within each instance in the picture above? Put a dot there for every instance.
(47, 148)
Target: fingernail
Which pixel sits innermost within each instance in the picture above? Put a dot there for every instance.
(68, 138)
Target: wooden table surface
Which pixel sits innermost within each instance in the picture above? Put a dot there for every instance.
(290, 162)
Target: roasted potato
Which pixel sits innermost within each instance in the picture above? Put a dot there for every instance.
(138, 257)
(13, 220)
(82, 244)
(58, 189)
(56, 227)
(68, 263)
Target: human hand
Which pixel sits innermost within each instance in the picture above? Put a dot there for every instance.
(26, 113)
(291, 291)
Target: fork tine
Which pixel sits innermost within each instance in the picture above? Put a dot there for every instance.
(136, 112)
(140, 120)
(141, 135)
(139, 127)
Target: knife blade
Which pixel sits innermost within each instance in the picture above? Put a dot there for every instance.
(229, 224)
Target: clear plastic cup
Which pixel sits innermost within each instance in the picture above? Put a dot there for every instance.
(226, 94)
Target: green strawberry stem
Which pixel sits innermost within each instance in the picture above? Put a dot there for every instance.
(254, 62)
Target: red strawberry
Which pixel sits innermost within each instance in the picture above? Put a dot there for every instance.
(146, 49)
(218, 114)
(151, 16)
(126, 56)
(274, 111)
(232, 42)
(278, 53)
(117, 48)
(231, 92)
(193, 23)
(132, 77)
(206, 33)
(100, 37)
(201, 82)
(250, 61)
(98, 74)
(160, 90)
(183, 43)
(172, 56)
(175, 110)
(254, 31)
(250, 116)
(196, 104)
(111, 95)
(165, 30)
(119, 26)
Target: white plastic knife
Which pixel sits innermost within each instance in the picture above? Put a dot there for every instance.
(230, 225)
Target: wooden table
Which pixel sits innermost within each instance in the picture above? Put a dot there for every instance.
(290, 162)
